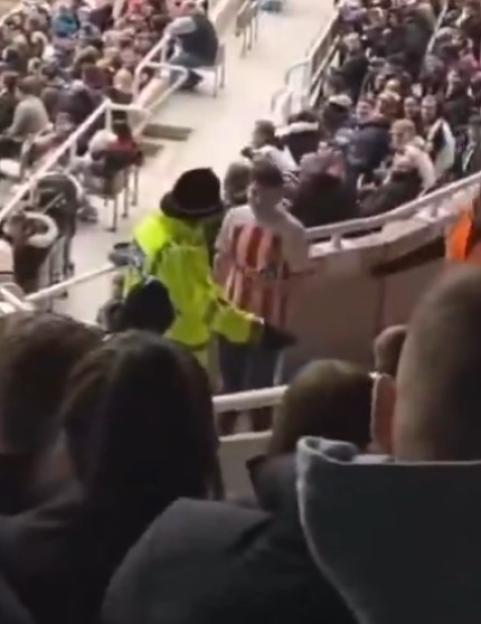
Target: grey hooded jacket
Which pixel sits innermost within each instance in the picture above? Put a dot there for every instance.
(400, 542)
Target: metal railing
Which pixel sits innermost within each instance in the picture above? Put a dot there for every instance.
(250, 399)
(431, 203)
(427, 208)
(312, 69)
(107, 107)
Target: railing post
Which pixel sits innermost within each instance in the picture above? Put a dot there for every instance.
(108, 116)
(336, 241)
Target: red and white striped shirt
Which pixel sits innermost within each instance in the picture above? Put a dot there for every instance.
(261, 259)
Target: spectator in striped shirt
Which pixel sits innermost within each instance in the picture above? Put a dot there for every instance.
(262, 251)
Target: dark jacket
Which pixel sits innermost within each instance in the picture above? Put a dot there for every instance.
(457, 108)
(300, 138)
(323, 200)
(201, 42)
(400, 189)
(59, 558)
(11, 611)
(353, 71)
(8, 102)
(17, 492)
(212, 563)
(370, 145)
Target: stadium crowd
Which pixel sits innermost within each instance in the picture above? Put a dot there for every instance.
(59, 62)
(113, 508)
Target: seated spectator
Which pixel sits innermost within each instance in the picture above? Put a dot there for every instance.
(336, 114)
(457, 101)
(471, 157)
(29, 118)
(53, 136)
(328, 398)
(60, 557)
(37, 351)
(412, 111)
(65, 23)
(8, 99)
(354, 65)
(266, 145)
(301, 135)
(196, 40)
(323, 195)
(387, 349)
(364, 110)
(121, 91)
(439, 137)
(370, 142)
(406, 141)
(434, 439)
(401, 185)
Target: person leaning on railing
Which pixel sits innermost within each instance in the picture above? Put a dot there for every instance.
(170, 245)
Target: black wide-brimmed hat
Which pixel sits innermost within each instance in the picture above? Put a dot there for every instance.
(195, 195)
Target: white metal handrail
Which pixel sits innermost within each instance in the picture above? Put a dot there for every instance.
(314, 58)
(53, 159)
(431, 200)
(250, 399)
(159, 48)
(17, 303)
(63, 287)
(106, 107)
(333, 232)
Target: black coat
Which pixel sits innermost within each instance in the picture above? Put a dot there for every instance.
(370, 145)
(323, 200)
(59, 558)
(17, 493)
(11, 611)
(394, 193)
(353, 71)
(212, 563)
(457, 108)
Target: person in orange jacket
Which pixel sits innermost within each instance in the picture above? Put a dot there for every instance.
(463, 241)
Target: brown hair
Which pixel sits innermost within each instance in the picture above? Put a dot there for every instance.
(37, 352)
(328, 398)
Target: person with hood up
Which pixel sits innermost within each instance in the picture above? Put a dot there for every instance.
(413, 553)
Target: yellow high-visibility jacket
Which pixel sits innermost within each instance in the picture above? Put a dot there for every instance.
(175, 252)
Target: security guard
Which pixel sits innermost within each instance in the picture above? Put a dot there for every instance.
(170, 246)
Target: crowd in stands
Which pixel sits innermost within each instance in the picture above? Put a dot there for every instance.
(399, 116)
(364, 507)
(111, 491)
(58, 63)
